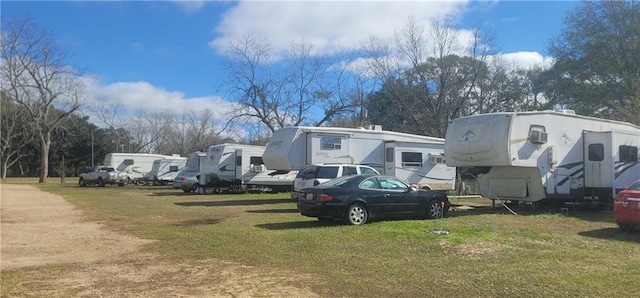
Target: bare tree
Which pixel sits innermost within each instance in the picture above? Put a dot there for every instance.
(194, 130)
(15, 135)
(149, 131)
(36, 75)
(428, 74)
(301, 88)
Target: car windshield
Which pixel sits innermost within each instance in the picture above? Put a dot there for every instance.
(635, 186)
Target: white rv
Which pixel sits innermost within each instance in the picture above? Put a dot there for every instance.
(238, 167)
(164, 170)
(136, 165)
(531, 156)
(416, 159)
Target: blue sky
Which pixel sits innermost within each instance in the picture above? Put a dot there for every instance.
(167, 53)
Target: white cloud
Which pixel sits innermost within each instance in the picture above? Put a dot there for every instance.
(526, 60)
(328, 25)
(134, 96)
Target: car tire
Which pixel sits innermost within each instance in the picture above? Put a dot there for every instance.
(435, 209)
(81, 182)
(626, 227)
(100, 182)
(357, 214)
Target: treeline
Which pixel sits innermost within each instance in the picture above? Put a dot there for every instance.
(415, 82)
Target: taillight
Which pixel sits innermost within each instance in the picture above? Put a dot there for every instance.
(621, 200)
(316, 182)
(324, 198)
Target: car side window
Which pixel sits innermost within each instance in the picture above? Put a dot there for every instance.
(347, 171)
(368, 184)
(392, 184)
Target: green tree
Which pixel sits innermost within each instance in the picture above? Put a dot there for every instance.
(597, 68)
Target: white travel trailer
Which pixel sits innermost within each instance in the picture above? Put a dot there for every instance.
(238, 167)
(555, 155)
(164, 170)
(417, 159)
(136, 165)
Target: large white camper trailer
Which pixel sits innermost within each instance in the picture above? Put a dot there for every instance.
(164, 170)
(238, 167)
(417, 159)
(136, 165)
(531, 156)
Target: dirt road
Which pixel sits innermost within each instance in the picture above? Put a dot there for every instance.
(54, 251)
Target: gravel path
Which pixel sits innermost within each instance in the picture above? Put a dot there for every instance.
(53, 251)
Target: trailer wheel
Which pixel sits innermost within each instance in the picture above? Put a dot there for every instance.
(217, 190)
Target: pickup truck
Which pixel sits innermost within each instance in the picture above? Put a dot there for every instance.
(102, 175)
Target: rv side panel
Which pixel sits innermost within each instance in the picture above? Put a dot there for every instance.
(479, 140)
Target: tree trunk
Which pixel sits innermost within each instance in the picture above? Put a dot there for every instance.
(45, 142)
(5, 166)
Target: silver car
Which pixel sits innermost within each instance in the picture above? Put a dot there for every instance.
(187, 181)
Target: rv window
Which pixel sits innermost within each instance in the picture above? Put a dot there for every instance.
(389, 155)
(596, 152)
(628, 153)
(331, 143)
(411, 159)
(238, 161)
(128, 162)
(173, 168)
(256, 160)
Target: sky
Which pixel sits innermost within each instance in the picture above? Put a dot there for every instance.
(169, 54)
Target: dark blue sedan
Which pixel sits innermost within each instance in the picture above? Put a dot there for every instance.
(358, 198)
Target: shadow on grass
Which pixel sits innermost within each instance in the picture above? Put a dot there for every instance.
(290, 225)
(585, 214)
(248, 202)
(613, 234)
(274, 211)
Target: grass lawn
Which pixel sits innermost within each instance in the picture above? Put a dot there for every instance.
(487, 251)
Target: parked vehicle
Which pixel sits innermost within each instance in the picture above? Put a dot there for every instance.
(239, 167)
(164, 171)
(136, 165)
(102, 175)
(358, 198)
(313, 175)
(553, 155)
(626, 208)
(187, 179)
(417, 159)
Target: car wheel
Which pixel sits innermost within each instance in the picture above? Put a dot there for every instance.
(357, 214)
(81, 182)
(626, 227)
(100, 182)
(435, 209)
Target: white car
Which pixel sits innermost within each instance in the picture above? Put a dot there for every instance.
(313, 175)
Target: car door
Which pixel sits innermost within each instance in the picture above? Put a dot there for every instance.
(376, 198)
(398, 202)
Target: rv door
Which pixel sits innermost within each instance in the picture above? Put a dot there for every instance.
(238, 161)
(598, 159)
(390, 158)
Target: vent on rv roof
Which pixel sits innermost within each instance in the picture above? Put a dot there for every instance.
(567, 112)
(374, 127)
